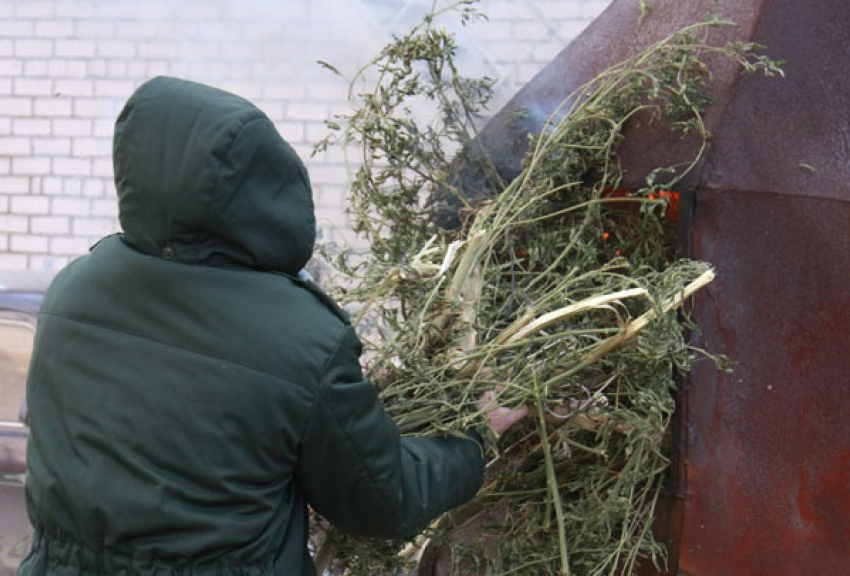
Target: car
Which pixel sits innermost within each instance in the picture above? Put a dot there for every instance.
(21, 294)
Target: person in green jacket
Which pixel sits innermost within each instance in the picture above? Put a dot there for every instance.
(189, 394)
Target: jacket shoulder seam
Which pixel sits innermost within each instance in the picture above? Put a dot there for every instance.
(321, 382)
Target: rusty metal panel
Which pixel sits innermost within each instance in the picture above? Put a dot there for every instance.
(761, 483)
(791, 136)
(767, 466)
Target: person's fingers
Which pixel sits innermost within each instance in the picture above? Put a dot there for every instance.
(501, 419)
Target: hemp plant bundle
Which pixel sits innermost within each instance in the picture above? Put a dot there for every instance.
(551, 290)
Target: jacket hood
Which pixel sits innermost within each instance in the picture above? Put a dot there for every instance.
(203, 177)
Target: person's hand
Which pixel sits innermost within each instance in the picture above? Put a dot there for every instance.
(500, 418)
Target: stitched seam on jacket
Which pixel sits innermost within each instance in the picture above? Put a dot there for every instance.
(168, 345)
(323, 373)
(360, 460)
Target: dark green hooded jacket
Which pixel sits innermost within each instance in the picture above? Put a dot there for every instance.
(189, 396)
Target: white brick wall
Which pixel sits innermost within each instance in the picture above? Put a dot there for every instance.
(67, 66)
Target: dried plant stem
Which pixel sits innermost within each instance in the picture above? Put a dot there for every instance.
(552, 481)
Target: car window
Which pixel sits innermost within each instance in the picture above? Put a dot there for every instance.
(16, 342)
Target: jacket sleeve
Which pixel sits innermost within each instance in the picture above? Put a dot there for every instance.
(357, 471)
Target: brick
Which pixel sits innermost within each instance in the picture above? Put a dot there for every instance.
(316, 132)
(118, 88)
(569, 29)
(30, 166)
(104, 129)
(5, 86)
(93, 187)
(107, 208)
(291, 131)
(30, 127)
(212, 31)
(51, 146)
(66, 9)
(274, 110)
(529, 30)
(329, 91)
(35, 185)
(16, 106)
(172, 30)
(74, 48)
(15, 185)
(33, 87)
(16, 28)
(7, 48)
(36, 68)
(54, 225)
(9, 67)
(7, 9)
(92, 226)
(340, 109)
(51, 185)
(30, 205)
(91, 147)
(72, 127)
(13, 261)
(67, 68)
(560, 9)
(69, 246)
(114, 9)
(306, 111)
(71, 167)
(512, 11)
(153, 10)
(137, 69)
(94, 29)
(117, 68)
(592, 9)
(330, 218)
(216, 70)
(336, 154)
(72, 186)
(546, 51)
(97, 68)
(33, 48)
(4, 205)
(70, 206)
(202, 10)
(27, 243)
(156, 50)
(11, 223)
(15, 146)
(493, 31)
(39, 262)
(30, 9)
(103, 169)
(116, 49)
(158, 68)
(52, 106)
(94, 108)
(5, 165)
(134, 29)
(328, 175)
(303, 150)
(74, 87)
(54, 28)
(508, 51)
